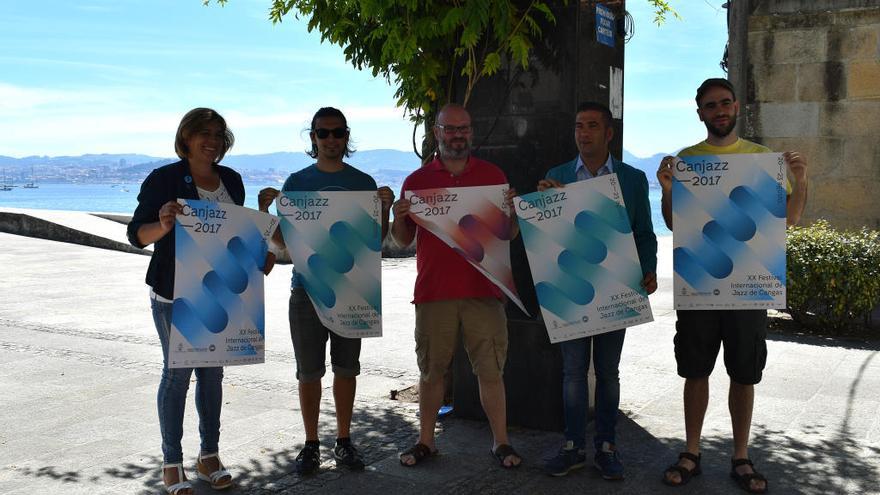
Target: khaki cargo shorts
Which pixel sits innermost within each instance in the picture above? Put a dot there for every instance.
(483, 326)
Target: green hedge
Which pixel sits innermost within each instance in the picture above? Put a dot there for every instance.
(833, 276)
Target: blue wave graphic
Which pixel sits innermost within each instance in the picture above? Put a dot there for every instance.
(737, 219)
(596, 233)
(335, 255)
(199, 316)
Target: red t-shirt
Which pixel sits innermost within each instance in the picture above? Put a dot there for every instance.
(442, 272)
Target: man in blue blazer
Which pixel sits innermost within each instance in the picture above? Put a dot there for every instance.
(593, 131)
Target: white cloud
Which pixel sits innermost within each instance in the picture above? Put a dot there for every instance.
(124, 70)
(39, 121)
(354, 115)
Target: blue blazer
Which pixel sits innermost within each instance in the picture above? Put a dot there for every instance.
(634, 186)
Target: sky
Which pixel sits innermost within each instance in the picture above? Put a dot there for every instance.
(116, 76)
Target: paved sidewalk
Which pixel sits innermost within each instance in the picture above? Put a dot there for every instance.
(80, 362)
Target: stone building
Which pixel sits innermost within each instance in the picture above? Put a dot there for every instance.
(808, 74)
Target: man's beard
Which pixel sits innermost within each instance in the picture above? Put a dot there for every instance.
(450, 153)
(721, 132)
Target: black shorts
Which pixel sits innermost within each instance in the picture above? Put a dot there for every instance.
(309, 338)
(699, 334)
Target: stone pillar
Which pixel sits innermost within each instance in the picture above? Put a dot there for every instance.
(524, 122)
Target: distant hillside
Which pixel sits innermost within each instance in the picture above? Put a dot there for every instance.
(368, 160)
(647, 165)
(85, 161)
(388, 167)
(142, 169)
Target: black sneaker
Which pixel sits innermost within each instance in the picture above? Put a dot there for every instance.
(348, 456)
(608, 462)
(567, 459)
(308, 460)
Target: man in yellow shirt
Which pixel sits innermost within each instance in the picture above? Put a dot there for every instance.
(699, 334)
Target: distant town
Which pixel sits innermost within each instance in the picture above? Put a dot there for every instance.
(386, 166)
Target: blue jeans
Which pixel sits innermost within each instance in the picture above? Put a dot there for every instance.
(172, 395)
(575, 363)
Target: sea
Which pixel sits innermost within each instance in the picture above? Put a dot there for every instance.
(122, 198)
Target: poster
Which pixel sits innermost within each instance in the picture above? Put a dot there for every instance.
(335, 242)
(475, 222)
(218, 313)
(583, 258)
(728, 214)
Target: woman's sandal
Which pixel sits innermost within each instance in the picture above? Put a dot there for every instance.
(504, 451)
(745, 480)
(685, 473)
(183, 487)
(419, 453)
(220, 479)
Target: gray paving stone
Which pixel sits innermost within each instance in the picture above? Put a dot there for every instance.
(80, 363)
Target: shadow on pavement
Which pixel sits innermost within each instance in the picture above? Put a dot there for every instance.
(378, 433)
(843, 343)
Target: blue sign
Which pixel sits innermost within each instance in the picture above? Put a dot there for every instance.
(604, 25)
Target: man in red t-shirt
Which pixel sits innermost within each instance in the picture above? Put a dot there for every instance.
(451, 295)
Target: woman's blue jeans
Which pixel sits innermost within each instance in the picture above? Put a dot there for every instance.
(575, 363)
(172, 395)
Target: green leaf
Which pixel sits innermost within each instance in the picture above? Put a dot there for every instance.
(491, 64)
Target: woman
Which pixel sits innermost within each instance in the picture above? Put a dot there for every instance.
(201, 142)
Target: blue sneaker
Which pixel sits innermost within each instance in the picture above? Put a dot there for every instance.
(607, 461)
(567, 459)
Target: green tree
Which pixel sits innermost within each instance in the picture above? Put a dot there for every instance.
(424, 47)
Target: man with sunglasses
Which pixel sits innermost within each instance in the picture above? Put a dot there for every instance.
(451, 295)
(329, 134)
(592, 133)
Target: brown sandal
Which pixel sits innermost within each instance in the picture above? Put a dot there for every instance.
(685, 473)
(419, 453)
(745, 480)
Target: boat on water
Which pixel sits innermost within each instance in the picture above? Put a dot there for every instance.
(5, 186)
(33, 182)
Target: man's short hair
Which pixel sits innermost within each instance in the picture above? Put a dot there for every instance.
(450, 106)
(714, 82)
(596, 107)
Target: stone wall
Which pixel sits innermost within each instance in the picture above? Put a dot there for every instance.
(812, 84)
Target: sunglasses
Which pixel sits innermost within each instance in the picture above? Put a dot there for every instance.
(338, 132)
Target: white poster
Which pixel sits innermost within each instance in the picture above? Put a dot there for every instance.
(583, 259)
(475, 222)
(218, 313)
(335, 241)
(728, 217)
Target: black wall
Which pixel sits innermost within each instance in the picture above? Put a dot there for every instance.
(524, 123)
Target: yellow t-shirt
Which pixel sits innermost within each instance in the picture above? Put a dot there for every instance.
(740, 146)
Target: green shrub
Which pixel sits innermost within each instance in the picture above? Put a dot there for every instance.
(833, 276)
